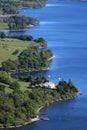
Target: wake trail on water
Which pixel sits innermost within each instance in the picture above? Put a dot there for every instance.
(51, 5)
(48, 22)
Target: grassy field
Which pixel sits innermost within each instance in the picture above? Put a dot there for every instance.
(7, 89)
(23, 87)
(8, 46)
(3, 26)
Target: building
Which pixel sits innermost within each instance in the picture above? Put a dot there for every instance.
(49, 85)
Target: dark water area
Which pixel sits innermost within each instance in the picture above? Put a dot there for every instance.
(64, 25)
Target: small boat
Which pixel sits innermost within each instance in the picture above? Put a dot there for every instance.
(44, 118)
(49, 76)
(59, 78)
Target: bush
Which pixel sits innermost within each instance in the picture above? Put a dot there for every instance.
(2, 87)
(15, 85)
(5, 78)
(15, 52)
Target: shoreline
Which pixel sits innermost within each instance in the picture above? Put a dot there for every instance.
(38, 118)
(33, 120)
(43, 69)
(51, 58)
(22, 30)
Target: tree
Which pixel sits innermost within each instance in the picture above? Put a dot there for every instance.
(2, 87)
(26, 37)
(20, 22)
(40, 79)
(2, 35)
(5, 78)
(31, 80)
(15, 52)
(41, 41)
(15, 85)
(9, 65)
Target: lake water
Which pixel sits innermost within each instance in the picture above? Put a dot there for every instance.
(64, 25)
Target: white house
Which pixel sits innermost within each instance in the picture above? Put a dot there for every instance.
(49, 85)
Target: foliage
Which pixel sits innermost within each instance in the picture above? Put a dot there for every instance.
(41, 41)
(2, 35)
(9, 45)
(9, 65)
(26, 37)
(31, 59)
(20, 22)
(4, 77)
(15, 52)
(2, 87)
(15, 85)
(33, 80)
(40, 79)
(66, 88)
(19, 107)
(11, 7)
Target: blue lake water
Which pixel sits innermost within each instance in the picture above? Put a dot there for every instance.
(64, 25)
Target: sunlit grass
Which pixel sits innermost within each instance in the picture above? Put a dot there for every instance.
(3, 26)
(24, 85)
(8, 46)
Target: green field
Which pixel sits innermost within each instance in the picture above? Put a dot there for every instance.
(8, 46)
(3, 26)
(23, 87)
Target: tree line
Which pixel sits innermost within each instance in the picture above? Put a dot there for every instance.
(29, 60)
(11, 6)
(21, 22)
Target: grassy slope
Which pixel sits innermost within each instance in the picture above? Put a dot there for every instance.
(3, 26)
(6, 53)
(8, 46)
(23, 87)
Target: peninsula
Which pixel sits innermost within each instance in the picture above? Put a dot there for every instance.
(19, 105)
(22, 95)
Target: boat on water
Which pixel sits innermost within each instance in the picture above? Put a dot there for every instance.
(59, 78)
(44, 118)
(49, 76)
